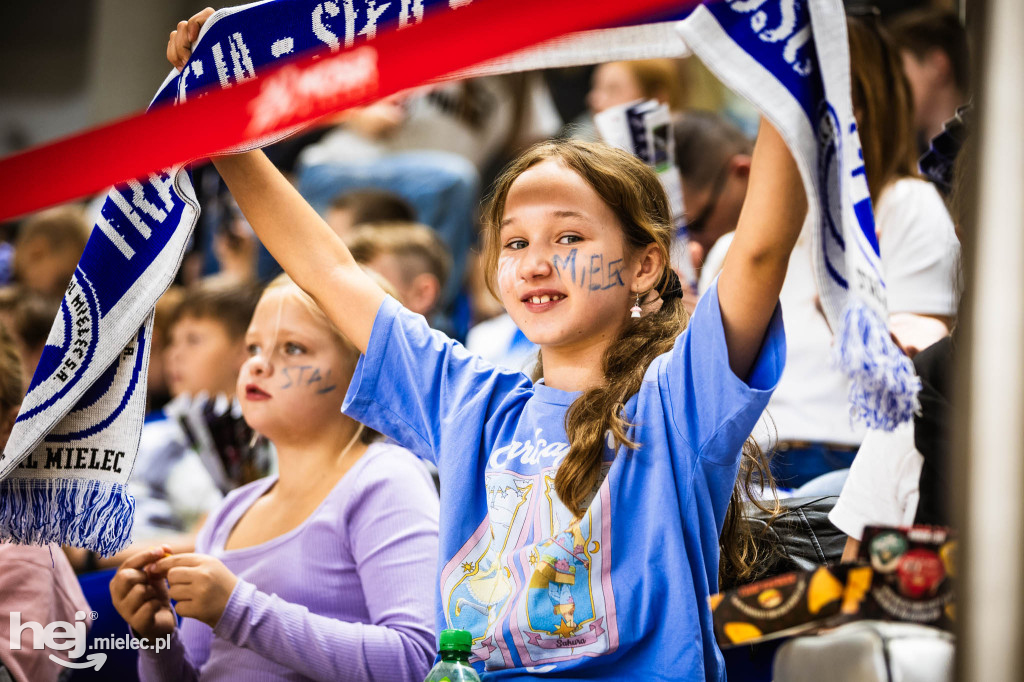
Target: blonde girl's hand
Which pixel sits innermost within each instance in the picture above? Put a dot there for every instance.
(179, 45)
(143, 601)
(199, 584)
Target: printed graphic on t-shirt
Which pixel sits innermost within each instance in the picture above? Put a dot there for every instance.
(554, 599)
(477, 582)
(567, 609)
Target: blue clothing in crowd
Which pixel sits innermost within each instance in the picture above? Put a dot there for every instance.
(620, 593)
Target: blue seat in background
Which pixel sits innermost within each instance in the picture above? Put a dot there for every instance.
(120, 664)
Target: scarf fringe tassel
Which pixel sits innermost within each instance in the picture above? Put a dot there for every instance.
(883, 383)
(91, 514)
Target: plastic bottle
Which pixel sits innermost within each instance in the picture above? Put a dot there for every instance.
(454, 664)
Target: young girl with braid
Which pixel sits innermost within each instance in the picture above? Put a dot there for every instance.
(580, 513)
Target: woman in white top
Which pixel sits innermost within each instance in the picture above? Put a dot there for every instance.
(919, 249)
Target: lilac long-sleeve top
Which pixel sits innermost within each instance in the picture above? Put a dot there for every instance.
(347, 595)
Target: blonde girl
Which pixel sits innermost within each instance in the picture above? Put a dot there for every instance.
(316, 572)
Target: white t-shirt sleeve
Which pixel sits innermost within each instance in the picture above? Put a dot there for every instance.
(919, 249)
(714, 261)
(191, 490)
(883, 486)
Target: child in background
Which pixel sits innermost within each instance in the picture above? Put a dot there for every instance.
(48, 247)
(174, 486)
(408, 255)
(364, 206)
(28, 315)
(38, 582)
(584, 510)
(158, 393)
(320, 572)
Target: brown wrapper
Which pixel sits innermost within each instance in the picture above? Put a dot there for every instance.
(902, 575)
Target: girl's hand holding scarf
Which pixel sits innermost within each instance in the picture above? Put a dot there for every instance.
(179, 46)
(199, 584)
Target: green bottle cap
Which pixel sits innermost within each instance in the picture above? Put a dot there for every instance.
(456, 640)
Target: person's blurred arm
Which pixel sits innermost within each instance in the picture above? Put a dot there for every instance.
(36, 586)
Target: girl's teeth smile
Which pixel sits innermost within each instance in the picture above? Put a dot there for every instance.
(545, 298)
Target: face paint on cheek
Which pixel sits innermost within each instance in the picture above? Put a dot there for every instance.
(506, 269)
(613, 277)
(565, 265)
(308, 376)
(506, 275)
(595, 272)
(321, 383)
(294, 376)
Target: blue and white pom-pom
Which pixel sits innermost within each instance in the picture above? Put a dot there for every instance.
(883, 383)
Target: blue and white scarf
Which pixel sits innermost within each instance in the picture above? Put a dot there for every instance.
(67, 463)
(790, 59)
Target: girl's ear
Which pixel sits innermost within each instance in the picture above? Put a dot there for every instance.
(649, 266)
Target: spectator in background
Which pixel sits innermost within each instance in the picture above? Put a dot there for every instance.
(918, 245)
(933, 48)
(919, 254)
(905, 477)
(29, 316)
(38, 582)
(158, 393)
(363, 206)
(408, 255)
(617, 83)
(205, 349)
(48, 247)
(713, 157)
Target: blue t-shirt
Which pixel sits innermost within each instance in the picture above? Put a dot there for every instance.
(620, 594)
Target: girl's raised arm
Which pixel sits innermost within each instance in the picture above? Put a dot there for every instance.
(312, 254)
(755, 266)
(306, 247)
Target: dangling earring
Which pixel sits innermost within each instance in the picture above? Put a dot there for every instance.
(634, 312)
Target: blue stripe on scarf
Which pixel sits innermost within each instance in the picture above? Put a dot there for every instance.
(84, 405)
(53, 360)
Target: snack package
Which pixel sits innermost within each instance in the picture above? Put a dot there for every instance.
(903, 574)
(777, 607)
(913, 570)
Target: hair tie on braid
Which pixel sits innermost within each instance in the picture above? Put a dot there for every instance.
(673, 287)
